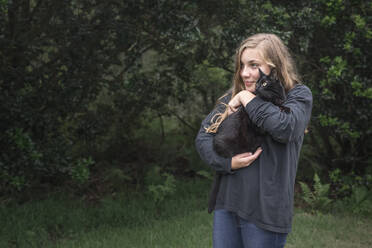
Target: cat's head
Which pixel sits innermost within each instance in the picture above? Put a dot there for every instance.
(269, 88)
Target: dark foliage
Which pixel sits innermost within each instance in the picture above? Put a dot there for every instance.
(88, 79)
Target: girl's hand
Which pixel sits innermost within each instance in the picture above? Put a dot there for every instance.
(242, 98)
(234, 104)
(244, 159)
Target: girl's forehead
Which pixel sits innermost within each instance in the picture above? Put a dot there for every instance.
(251, 54)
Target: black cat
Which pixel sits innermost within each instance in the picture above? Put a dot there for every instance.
(237, 134)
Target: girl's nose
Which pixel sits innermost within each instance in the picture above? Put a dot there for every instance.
(246, 72)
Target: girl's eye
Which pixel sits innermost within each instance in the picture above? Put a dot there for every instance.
(255, 66)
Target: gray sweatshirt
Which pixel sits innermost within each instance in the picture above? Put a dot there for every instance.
(263, 192)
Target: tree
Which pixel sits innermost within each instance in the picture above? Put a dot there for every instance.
(336, 67)
(79, 78)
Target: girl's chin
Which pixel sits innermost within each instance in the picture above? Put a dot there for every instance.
(250, 88)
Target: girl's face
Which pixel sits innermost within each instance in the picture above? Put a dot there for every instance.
(250, 61)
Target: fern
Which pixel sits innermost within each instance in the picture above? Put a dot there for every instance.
(360, 200)
(205, 174)
(160, 191)
(317, 199)
(307, 195)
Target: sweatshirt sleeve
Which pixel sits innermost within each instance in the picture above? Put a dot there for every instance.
(204, 145)
(283, 127)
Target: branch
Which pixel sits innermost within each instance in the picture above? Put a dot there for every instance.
(36, 8)
(130, 64)
(183, 121)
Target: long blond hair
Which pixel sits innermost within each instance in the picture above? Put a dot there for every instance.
(273, 52)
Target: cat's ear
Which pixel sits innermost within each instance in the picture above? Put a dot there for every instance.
(272, 73)
(261, 72)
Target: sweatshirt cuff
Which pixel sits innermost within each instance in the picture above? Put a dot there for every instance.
(253, 104)
(228, 166)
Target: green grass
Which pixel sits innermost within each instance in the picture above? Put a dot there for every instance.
(132, 220)
(193, 230)
(330, 231)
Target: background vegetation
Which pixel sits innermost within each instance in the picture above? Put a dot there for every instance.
(103, 97)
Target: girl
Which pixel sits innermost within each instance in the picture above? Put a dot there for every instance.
(254, 203)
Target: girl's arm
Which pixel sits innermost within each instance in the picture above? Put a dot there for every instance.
(283, 127)
(204, 146)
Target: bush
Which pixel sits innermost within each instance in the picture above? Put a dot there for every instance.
(20, 160)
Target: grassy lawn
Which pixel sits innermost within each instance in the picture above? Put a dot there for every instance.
(134, 221)
(330, 231)
(195, 229)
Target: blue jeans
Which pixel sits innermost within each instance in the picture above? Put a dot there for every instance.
(229, 230)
